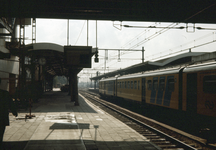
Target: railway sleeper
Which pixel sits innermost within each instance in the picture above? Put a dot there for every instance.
(173, 149)
(161, 142)
(152, 137)
(193, 145)
(143, 130)
(149, 134)
(167, 146)
(159, 139)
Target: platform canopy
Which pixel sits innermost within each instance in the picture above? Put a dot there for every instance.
(189, 11)
(52, 56)
(180, 59)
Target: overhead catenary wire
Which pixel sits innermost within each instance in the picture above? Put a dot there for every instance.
(154, 35)
(146, 39)
(80, 32)
(185, 49)
(137, 36)
(164, 29)
(152, 57)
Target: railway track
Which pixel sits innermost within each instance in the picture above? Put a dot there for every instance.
(166, 137)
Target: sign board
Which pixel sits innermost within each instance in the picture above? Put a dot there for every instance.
(78, 56)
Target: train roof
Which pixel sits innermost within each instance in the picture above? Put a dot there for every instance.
(149, 73)
(181, 59)
(153, 73)
(200, 67)
(109, 79)
(191, 68)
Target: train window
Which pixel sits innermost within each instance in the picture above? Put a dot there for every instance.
(171, 85)
(209, 84)
(131, 84)
(162, 84)
(135, 84)
(128, 84)
(138, 85)
(149, 84)
(155, 84)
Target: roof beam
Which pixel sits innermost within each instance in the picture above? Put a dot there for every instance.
(6, 25)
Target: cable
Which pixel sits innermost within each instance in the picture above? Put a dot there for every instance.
(80, 32)
(149, 38)
(154, 35)
(172, 49)
(136, 37)
(199, 12)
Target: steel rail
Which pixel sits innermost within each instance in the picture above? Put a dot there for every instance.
(170, 138)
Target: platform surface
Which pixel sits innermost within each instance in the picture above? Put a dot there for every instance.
(59, 125)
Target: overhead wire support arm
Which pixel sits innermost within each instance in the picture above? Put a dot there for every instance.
(128, 26)
(188, 26)
(119, 28)
(120, 49)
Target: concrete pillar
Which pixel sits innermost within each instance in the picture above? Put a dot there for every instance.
(95, 84)
(74, 87)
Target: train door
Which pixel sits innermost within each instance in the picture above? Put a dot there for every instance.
(143, 90)
(161, 90)
(192, 92)
(154, 89)
(170, 88)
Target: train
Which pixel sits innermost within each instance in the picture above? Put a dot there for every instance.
(190, 88)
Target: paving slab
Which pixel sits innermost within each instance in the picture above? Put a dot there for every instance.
(58, 124)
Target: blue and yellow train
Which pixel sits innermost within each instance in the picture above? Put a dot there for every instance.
(190, 89)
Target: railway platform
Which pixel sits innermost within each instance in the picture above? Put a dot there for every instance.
(59, 125)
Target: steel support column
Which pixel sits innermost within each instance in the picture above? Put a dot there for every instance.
(95, 82)
(74, 86)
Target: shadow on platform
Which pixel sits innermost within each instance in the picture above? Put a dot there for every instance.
(15, 145)
(77, 145)
(57, 101)
(61, 126)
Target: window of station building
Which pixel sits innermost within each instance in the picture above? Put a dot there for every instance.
(128, 84)
(120, 84)
(155, 84)
(135, 84)
(131, 84)
(171, 84)
(125, 84)
(162, 84)
(149, 85)
(209, 84)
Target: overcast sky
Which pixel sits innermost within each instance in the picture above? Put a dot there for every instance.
(110, 35)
